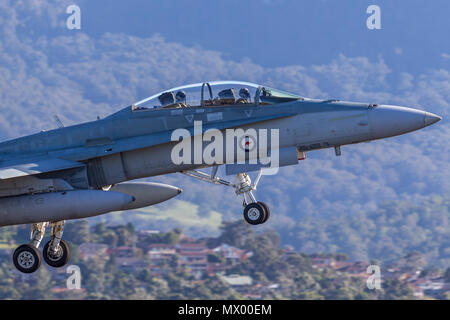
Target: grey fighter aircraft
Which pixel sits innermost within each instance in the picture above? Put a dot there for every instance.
(82, 171)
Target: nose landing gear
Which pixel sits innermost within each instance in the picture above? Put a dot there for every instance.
(255, 212)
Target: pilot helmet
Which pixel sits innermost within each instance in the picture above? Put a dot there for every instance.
(180, 96)
(166, 98)
(244, 93)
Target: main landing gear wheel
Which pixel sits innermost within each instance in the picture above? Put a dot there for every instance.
(59, 258)
(27, 258)
(255, 213)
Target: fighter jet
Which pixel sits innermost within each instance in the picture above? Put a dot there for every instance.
(83, 170)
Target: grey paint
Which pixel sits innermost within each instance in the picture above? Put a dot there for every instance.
(132, 144)
(146, 193)
(55, 206)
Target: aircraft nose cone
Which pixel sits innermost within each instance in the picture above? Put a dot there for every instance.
(431, 118)
(387, 121)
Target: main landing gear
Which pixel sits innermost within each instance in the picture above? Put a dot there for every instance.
(255, 212)
(56, 252)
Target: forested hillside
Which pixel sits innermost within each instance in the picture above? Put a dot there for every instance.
(386, 233)
(123, 263)
(389, 232)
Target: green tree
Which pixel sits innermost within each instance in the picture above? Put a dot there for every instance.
(396, 289)
(236, 233)
(77, 231)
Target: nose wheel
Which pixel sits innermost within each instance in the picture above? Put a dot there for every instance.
(256, 213)
(266, 207)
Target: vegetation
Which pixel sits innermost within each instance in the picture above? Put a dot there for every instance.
(275, 274)
(392, 231)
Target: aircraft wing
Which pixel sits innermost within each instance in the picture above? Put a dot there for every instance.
(9, 170)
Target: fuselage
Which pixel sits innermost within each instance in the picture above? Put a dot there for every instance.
(81, 171)
(131, 144)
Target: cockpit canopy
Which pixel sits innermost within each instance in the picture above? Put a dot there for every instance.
(217, 93)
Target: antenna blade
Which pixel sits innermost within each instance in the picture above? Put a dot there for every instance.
(59, 122)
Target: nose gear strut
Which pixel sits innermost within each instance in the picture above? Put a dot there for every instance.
(255, 212)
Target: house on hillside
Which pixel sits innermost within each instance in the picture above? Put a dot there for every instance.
(230, 253)
(321, 262)
(357, 268)
(193, 255)
(93, 251)
(241, 284)
(128, 258)
(160, 254)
